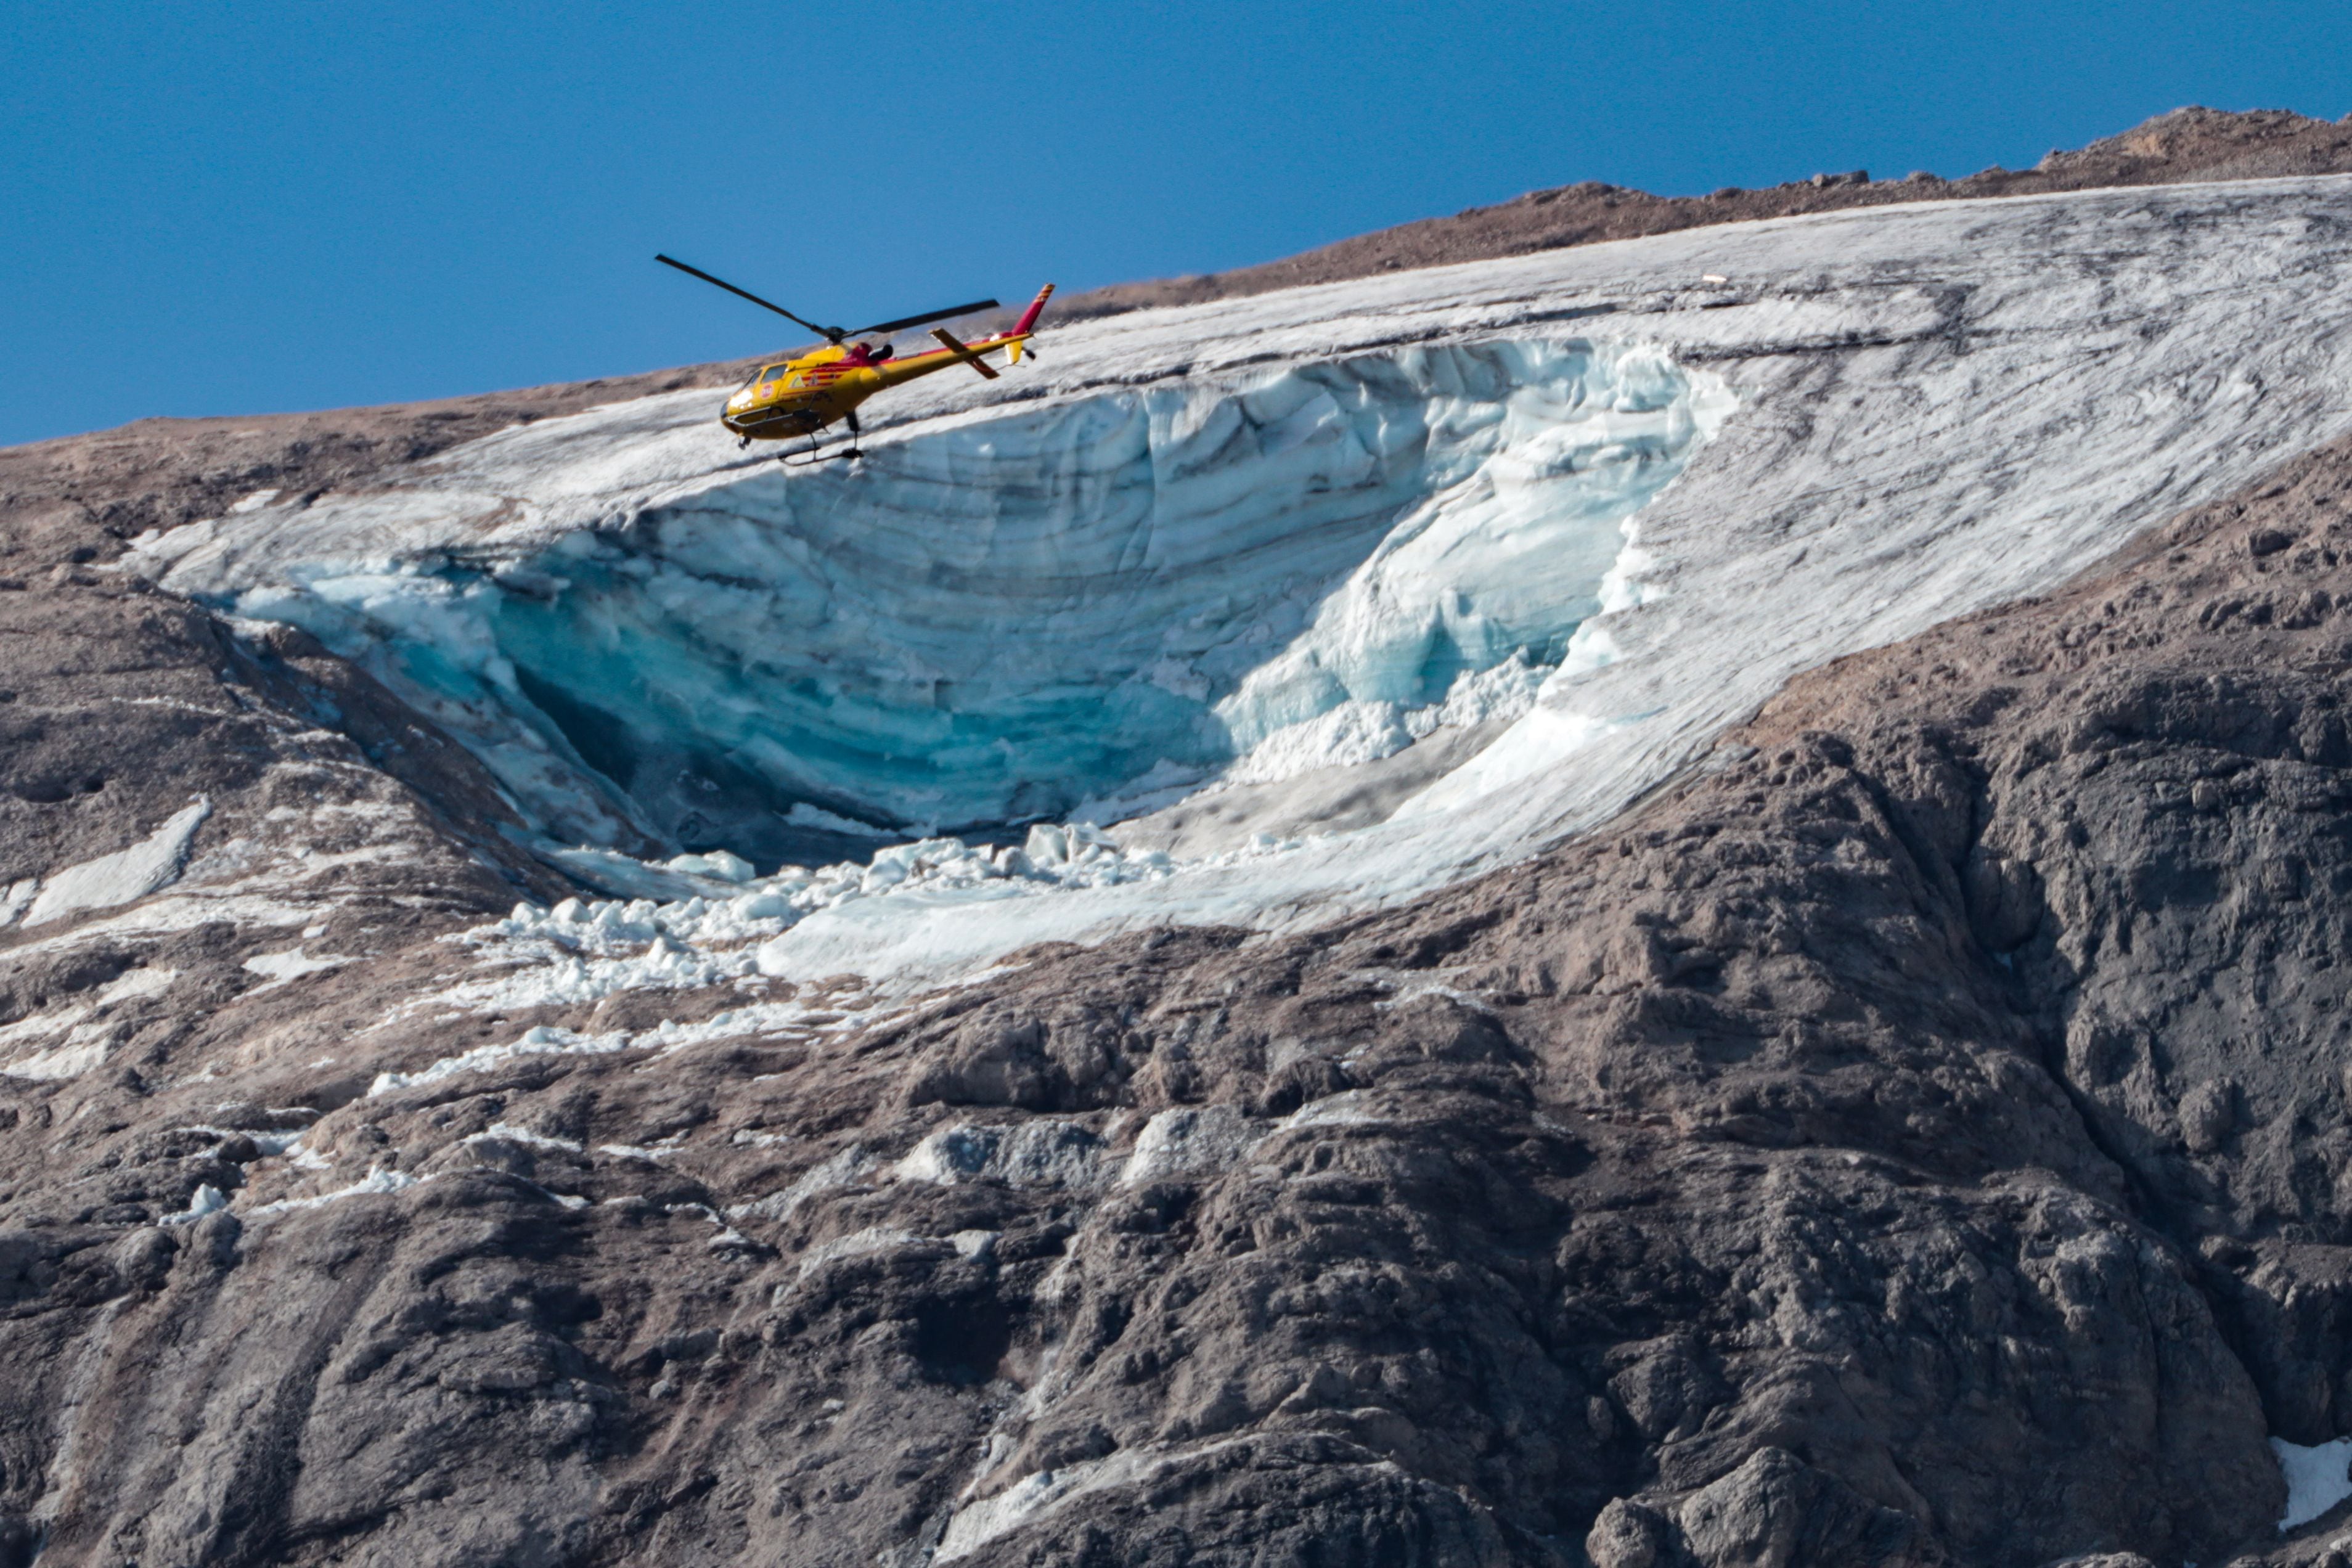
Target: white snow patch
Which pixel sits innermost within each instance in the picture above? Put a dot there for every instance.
(207, 1199)
(124, 876)
(268, 1142)
(377, 1181)
(581, 951)
(72, 1059)
(858, 1244)
(514, 1134)
(1190, 1141)
(1032, 1496)
(42, 1025)
(540, 1041)
(283, 968)
(547, 1039)
(844, 1169)
(1348, 1108)
(1046, 1153)
(1470, 1000)
(2317, 1479)
(728, 1238)
(1045, 1492)
(184, 910)
(151, 980)
(156, 548)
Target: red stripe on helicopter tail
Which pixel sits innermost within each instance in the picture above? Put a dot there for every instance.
(1029, 316)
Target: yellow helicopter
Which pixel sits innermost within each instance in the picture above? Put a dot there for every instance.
(801, 396)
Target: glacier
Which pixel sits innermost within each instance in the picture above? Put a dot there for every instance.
(1004, 622)
(1398, 580)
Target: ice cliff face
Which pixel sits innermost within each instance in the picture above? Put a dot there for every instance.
(1006, 621)
(1553, 522)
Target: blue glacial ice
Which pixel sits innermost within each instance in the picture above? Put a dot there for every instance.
(1111, 598)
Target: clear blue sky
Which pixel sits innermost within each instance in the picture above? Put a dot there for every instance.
(210, 207)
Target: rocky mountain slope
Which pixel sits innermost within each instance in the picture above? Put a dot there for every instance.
(1917, 1134)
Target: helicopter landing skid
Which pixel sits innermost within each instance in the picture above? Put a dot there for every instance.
(811, 459)
(814, 456)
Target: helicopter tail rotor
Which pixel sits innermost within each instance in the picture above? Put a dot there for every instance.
(1027, 323)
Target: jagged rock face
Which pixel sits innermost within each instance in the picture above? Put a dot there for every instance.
(1915, 1140)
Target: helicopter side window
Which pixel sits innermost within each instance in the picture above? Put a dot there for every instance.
(774, 373)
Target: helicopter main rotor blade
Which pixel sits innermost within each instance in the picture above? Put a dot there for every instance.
(834, 333)
(927, 319)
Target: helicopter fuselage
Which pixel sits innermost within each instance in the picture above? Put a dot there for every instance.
(801, 397)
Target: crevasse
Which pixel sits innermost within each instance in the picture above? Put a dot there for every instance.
(1051, 610)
